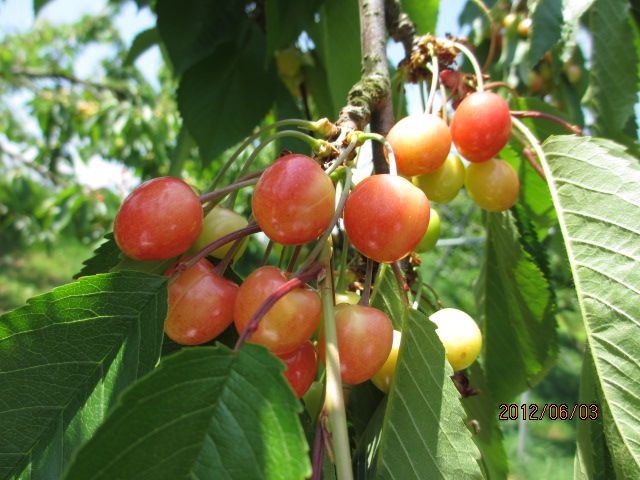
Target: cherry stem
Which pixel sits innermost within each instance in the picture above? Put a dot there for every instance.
(397, 271)
(334, 399)
(382, 270)
(435, 76)
(379, 138)
(343, 156)
(313, 126)
(281, 291)
(185, 265)
(474, 63)
(294, 258)
(222, 192)
(318, 449)
(533, 141)
(423, 99)
(528, 154)
(443, 94)
(547, 116)
(317, 250)
(267, 253)
(418, 294)
(368, 277)
(228, 257)
(492, 85)
(344, 253)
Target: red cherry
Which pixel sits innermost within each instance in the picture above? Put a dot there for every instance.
(481, 126)
(386, 217)
(160, 219)
(365, 337)
(291, 320)
(200, 305)
(302, 365)
(294, 200)
(420, 144)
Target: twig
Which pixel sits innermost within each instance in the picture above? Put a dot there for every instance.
(547, 116)
(528, 154)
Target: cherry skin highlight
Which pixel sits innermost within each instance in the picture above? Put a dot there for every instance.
(159, 220)
(420, 144)
(365, 337)
(302, 365)
(200, 305)
(291, 320)
(481, 126)
(386, 217)
(294, 200)
(493, 185)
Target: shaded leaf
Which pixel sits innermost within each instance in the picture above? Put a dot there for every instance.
(104, 258)
(65, 356)
(204, 412)
(595, 187)
(424, 14)
(141, 43)
(546, 28)
(285, 21)
(424, 435)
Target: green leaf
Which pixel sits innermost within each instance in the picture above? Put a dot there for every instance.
(39, 5)
(424, 435)
(388, 298)
(338, 27)
(516, 306)
(192, 30)
(365, 456)
(206, 412)
(225, 95)
(546, 28)
(613, 74)
(595, 187)
(482, 409)
(593, 460)
(143, 42)
(572, 11)
(105, 257)
(285, 21)
(424, 14)
(65, 356)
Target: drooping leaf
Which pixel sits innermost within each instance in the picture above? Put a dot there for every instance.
(546, 28)
(105, 257)
(516, 306)
(285, 21)
(613, 74)
(424, 14)
(595, 187)
(338, 27)
(192, 30)
(226, 94)
(593, 460)
(206, 412)
(65, 356)
(141, 43)
(481, 409)
(424, 435)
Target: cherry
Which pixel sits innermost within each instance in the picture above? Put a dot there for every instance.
(291, 320)
(200, 305)
(301, 368)
(294, 200)
(493, 185)
(443, 184)
(347, 297)
(460, 336)
(524, 27)
(158, 220)
(420, 143)
(217, 223)
(383, 377)
(481, 126)
(509, 20)
(385, 217)
(365, 336)
(432, 234)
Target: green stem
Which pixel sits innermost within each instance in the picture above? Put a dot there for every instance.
(474, 63)
(343, 156)
(531, 138)
(423, 100)
(382, 270)
(344, 253)
(379, 138)
(435, 77)
(334, 401)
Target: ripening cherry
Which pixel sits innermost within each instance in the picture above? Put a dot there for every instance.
(365, 336)
(460, 336)
(385, 217)
(442, 185)
(493, 185)
(347, 297)
(383, 377)
(158, 220)
(302, 365)
(432, 234)
(289, 322)
(200, 305)
(481, 126)
(294, 200)
(218, 223)
(420, 143)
